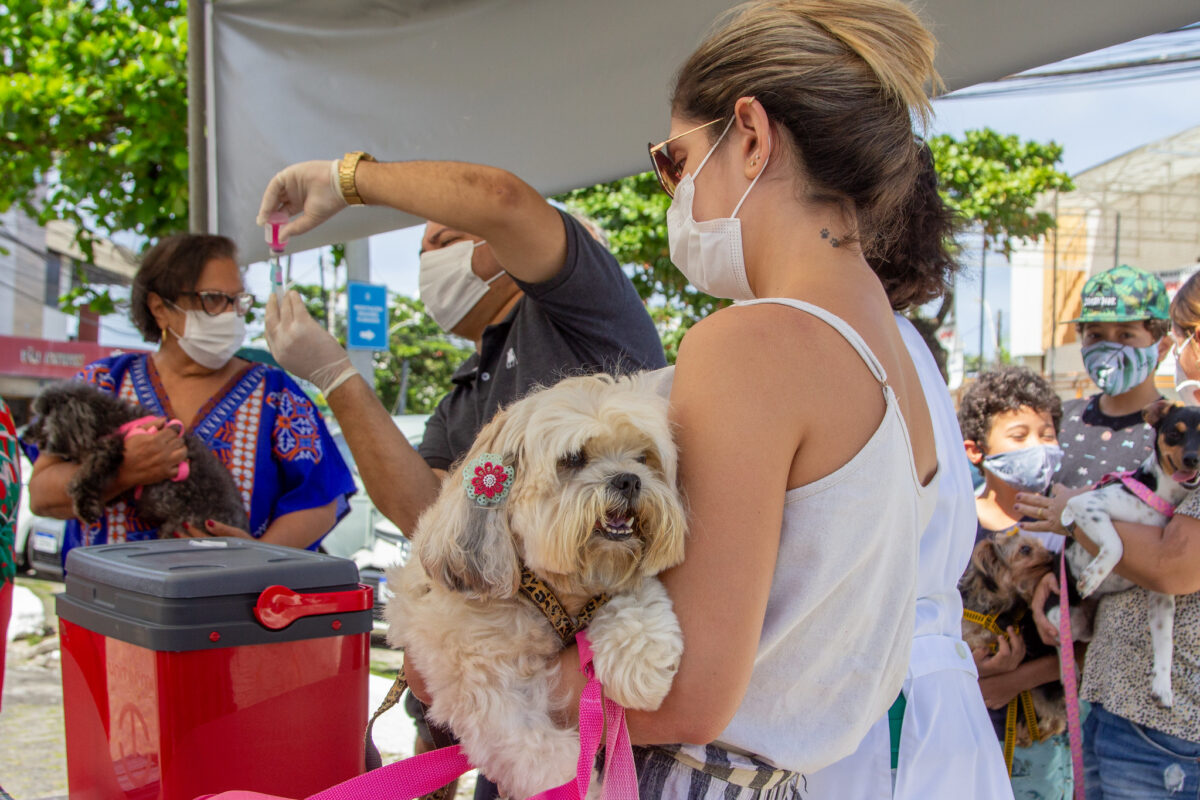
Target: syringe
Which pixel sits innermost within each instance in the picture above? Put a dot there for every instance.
(276, 220)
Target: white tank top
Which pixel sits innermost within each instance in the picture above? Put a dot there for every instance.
(839, 622)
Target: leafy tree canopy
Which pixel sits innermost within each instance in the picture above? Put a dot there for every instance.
(420, 356)
(995, 179)
(94, 110)
(633, 213)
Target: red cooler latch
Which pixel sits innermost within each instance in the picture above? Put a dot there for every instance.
(279, 606)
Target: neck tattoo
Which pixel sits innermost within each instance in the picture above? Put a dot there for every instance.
(834, 242)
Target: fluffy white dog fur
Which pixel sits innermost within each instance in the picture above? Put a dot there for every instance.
(593, 508)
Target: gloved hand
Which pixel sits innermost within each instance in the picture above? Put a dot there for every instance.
(310, 189)
(303, 347)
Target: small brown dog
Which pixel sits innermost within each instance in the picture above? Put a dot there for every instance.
(999, 581)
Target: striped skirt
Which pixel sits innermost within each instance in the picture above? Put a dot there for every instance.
(710, 773)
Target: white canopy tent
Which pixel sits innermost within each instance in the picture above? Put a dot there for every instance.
(562, 92)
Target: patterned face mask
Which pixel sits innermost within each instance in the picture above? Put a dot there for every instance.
(1030, 468)
(1117, 368)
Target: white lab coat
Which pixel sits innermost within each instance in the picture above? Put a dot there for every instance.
(948, 748)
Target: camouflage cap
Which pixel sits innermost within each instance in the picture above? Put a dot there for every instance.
(1123, 294)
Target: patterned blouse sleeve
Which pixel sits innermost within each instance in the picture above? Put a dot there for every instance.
(10, 484)
(312, 472)
(1190, 505)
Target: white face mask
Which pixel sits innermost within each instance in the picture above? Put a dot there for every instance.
(1187, 388)
(709, 253)
(211, 341)
(449, 287)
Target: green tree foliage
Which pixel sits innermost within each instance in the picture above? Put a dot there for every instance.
(633, 213)
(419, 355)
(94, 110)
(995, 180)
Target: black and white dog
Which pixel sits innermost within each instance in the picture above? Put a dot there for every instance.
(1149, 497)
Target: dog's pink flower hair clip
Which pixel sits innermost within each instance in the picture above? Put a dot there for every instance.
(487, 479)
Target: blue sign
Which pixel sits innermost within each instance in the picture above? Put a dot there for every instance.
(368, 317)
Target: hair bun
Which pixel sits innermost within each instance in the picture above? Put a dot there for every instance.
(889, 37)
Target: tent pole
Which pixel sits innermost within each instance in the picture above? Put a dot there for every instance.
(197, 144)
(358, 268)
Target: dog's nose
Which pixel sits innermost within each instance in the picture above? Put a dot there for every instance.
(1191, 460)
(627, 485)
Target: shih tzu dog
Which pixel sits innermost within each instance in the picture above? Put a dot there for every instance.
(999, 583)
(80, 423)
(575, 486)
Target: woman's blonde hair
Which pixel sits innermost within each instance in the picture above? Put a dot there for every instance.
(844, 78)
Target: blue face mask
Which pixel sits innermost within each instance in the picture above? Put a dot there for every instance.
(1117, 368)
(1030, 468)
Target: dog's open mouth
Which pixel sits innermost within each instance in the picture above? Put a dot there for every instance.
(1187, 479)
(617, 527)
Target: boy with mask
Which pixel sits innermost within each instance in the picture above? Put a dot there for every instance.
(1123, 331)
(534, 288)
(1009, 420)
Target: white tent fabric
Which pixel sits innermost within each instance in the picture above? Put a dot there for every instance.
(562, 92)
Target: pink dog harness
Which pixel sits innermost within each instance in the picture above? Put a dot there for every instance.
(1140, 490)
(427, 772)
(141, 425)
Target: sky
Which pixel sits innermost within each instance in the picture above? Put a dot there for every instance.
(1096, 117)
(1107, 116)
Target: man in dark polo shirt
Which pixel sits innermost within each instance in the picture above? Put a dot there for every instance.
(544, 299)
(536, 292)
(586, 318)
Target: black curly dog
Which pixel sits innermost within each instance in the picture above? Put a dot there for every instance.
(79, 423)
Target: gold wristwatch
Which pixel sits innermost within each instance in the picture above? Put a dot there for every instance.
(346, 169)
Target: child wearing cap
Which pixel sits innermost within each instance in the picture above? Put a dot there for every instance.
(1123, 329)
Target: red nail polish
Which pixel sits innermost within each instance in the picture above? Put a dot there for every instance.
(210, 524)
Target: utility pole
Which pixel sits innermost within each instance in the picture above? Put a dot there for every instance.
(982, 296)
(999, 331)
(197, 120)
(1117, 243)
(1054, 292)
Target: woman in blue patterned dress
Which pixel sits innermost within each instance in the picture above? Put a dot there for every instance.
(189, 297)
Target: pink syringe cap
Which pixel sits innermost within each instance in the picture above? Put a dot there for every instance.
(275, 221)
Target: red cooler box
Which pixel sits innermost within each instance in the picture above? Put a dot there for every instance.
(192, 666)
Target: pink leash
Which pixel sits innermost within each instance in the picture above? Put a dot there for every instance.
(1141, 491)
(1069, 681)
(135, 428)
(422, 774)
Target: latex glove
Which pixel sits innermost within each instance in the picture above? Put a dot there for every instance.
(309, 189)
(303, 347)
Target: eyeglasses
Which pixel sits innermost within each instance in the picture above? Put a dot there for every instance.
(214, 302)
(665, 169)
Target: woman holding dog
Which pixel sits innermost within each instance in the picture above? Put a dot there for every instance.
(189, 297)
(809, 455)
(1133, 748)
(800, 191)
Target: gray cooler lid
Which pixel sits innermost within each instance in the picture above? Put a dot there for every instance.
(177, 568)
(191, 594)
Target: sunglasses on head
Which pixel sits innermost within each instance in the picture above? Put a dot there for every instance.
(665, 168)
